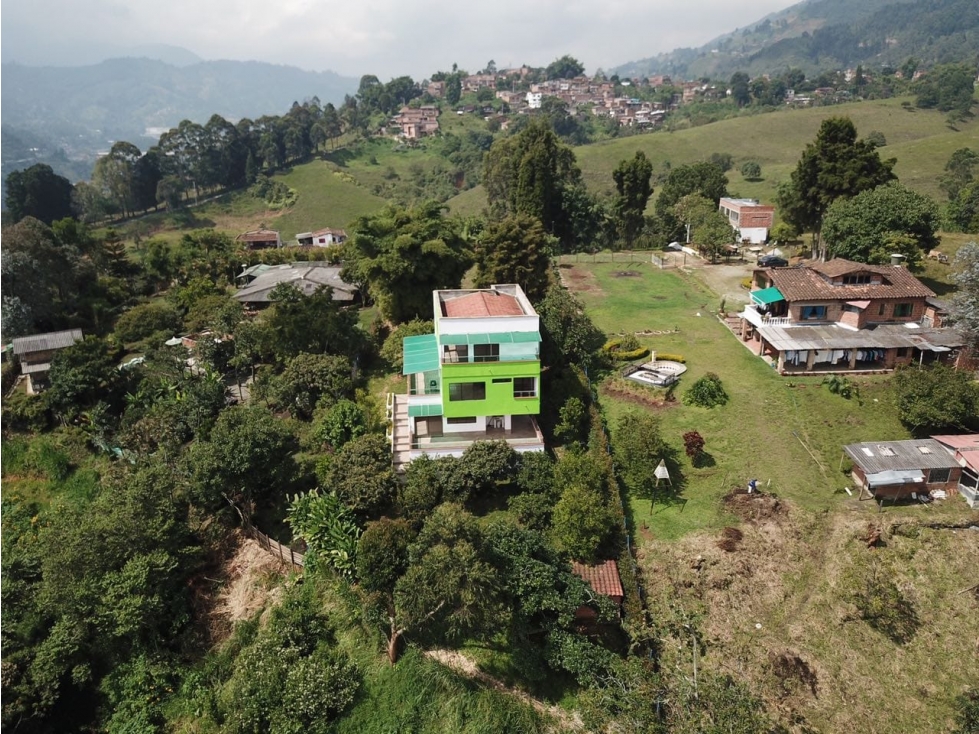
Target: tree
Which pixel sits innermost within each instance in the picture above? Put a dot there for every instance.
(246, 459)
(936, 398)
(638, 448)
(707, 392)
(876, 138)
(147, 319)
(705, 179)
(965, 303)
(82, 375)
(862, 228)
(515, 249)
(453, 89)
(633, 187)
(402, 255)
(528, 173)
(309, 378)
(836, 165)
(948, 88)
(959, 171)
(739, 89)
(361, 476)
(581, 523)
(570, 337)
(114, 174)
(382, 554)
(566, 67)
(693, 445)
(38, 192)
(751, 171)
(315, 324)
(449, 591)
(329, 530)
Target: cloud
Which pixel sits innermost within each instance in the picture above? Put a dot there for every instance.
(382, 37)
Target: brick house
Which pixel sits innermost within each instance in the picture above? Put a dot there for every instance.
(417, 122)
(748, 218)
(260, 239)
(843, 316)
(898, 469)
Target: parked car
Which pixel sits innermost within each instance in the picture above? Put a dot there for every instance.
(772, 261)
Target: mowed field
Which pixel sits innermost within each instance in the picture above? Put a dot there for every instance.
(920, 140)
(773, 607)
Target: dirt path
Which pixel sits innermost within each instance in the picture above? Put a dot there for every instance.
(468, 668)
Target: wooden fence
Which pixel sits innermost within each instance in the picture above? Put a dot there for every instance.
(283, 552)
(608, 256)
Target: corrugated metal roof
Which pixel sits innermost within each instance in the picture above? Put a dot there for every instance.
(881, 456)
(307, 277)
(884, 336)
(44, 342)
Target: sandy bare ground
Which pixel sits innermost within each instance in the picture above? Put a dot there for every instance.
(468, 668)
(252, 578)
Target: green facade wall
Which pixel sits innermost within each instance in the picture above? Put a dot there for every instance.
(499, 396)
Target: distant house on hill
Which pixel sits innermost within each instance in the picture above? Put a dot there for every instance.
(322, 237)
(260, 239)
(35, 353)
(307, 277)
(417, 122)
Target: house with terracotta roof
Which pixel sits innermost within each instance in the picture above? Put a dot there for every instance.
(260, 239)
(843, 316)
(604, 578)
(477, 377)
(416, 122)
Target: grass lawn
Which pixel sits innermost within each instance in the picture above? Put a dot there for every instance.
(766, 427)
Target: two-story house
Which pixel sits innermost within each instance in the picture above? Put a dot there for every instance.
(35, 353)
(748, 218)
(476, 378)
(843, 316)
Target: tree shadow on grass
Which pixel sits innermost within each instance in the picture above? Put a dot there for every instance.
(704, 460)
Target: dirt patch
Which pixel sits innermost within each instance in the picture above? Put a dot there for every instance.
(251, 577)
(582, 281)
(754, 506)
(637, 399)
(626, 274)
(730, 540)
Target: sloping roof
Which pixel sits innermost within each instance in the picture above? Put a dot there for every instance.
(602, 577)
(808, 284)
(45, 342)
(881, 456)
(881, 336)
(421, 354)
(330, 230)
(307, 277)
(482, 303)
(258, 235)
(767, 296)
(966, 446)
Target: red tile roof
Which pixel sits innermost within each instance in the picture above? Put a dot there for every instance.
(603, 578)
(482, 303)
(808, 284)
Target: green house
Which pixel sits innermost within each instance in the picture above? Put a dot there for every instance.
(476, 378)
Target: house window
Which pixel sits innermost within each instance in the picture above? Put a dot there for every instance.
(880, 309)
(813, 313)
(502, 380)
(902, 309)
(455, 353)
(467, 391)
(903, 351)
(486, 353)
(524, 387)
(851, 309)
(939, 476)
(460, 421)
(859, 279)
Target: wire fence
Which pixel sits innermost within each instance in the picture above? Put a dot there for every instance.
(608, 256)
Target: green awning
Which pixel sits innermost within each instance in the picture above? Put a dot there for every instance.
(767, 296)
(426, 410)
(502, 337)
(421, 354)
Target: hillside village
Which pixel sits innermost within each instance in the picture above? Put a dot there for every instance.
(463, 406)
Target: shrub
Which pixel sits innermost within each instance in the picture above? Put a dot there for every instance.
(746, 284)
(693, 444)
(146, 319)
(841, 386)
(667, 357)
(707, 392)
(751, 170)
(625, 349)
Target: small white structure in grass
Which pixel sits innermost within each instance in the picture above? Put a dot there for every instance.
(662, 473)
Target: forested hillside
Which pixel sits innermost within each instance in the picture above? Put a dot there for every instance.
(825, 34)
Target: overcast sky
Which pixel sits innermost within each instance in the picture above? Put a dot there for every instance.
(383, 37)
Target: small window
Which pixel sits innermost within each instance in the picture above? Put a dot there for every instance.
(880, 309)
(902, 309)
(924, 449)
(467, 391)
(486, 353)
(858, 279)
(939, 476)
(501, 380)
(903, 351)
(455, 353)
(524, 387)
(460, 421)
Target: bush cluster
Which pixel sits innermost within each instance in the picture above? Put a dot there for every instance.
(707, 392)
